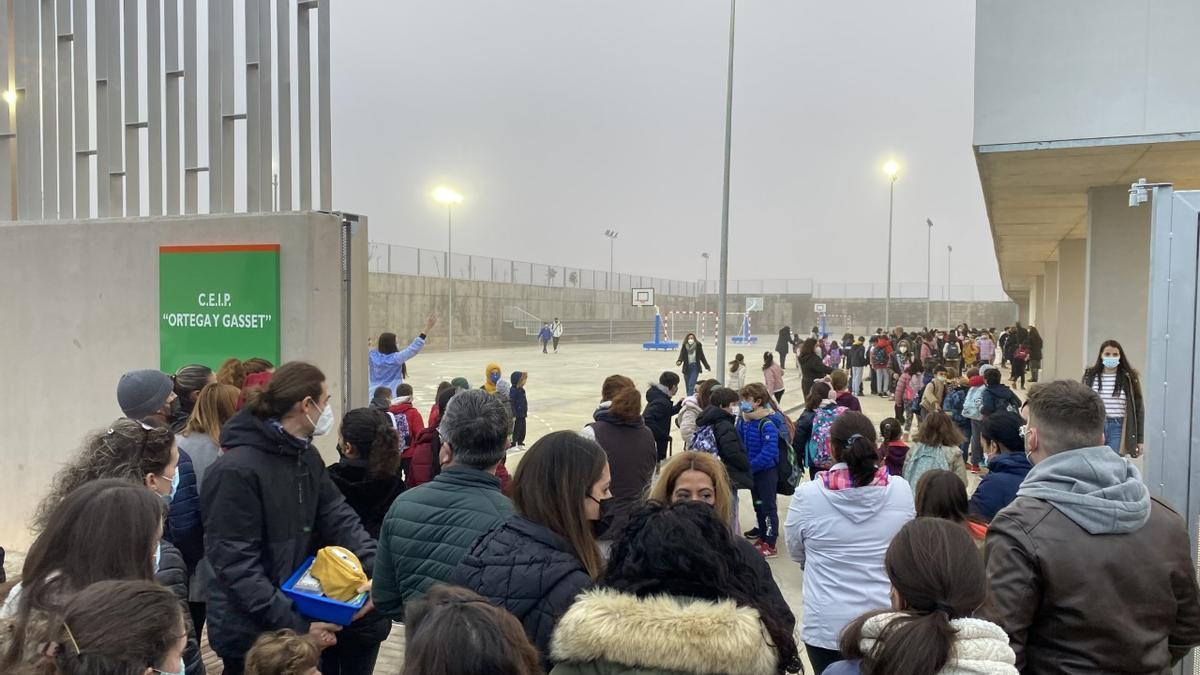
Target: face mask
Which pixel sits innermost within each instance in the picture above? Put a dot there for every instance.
(169, 497)
(904, 350)
(746, 406)
(691, 342)
(941, 378)
(600, 526)
(324, 423)
(1111, 361)
(181, 670)
(495, 377)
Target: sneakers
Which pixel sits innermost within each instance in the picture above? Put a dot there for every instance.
(766, 549)
(752, 534)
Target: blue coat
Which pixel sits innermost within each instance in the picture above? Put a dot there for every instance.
(184, 528)
(762, 446)
(518, 401)
(999, 487)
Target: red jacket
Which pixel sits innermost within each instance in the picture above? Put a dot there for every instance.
(421, 458)
(434, 415)
(416, 424)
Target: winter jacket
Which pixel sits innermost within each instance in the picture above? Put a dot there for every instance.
(1090, 574)
(607, 632)
(811, 369)
(1135, 407)
(184, 527)
(931, 398)
(686, 421)
(784, 343)
(632, 456)
(900, 396)
(659, 411)
(411, 415)
(517, 398)
(556, 329)
(773, 378)
(996, 398)
(1036, 346)
(760, 436)
(848, 401)
(804, 429)
(545, 334)
(987, 349)
(682, 361)
(384, 370)
(730, 449)
(420, 460)
(429, 529)
(894, 454)
(268, 504)
(922, 458)
(998, 488)
(529, 570)
(979, 647)
(858, 356)
(735, 380)
(953, 404)
(839, 537)
(369, 496)
(970, 353)
(173, 574)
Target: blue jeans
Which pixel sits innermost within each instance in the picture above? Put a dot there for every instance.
(693, 373)
(1113, 428)
(766, 510)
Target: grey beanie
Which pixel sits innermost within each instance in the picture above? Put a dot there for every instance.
(141, 393)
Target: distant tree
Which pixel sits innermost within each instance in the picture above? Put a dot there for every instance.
(573, 278)
(551, 273)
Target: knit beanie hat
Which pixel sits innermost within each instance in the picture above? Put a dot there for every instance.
(141, 393)
(461, 383)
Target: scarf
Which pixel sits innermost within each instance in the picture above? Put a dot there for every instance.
(838, 478)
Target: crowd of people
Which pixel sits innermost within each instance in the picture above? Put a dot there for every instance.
(607, 550)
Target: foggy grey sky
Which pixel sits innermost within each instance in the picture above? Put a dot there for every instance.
(558, 119)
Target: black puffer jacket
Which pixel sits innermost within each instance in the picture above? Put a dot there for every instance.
(811, 368)
(729, 446)
(172, 573)
(659, 411)
(370, 497)
(185, 528)
(268, 504)
(529, 570)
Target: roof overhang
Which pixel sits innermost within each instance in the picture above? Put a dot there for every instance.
(1036, 193)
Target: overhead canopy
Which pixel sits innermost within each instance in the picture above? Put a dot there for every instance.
(1037, 193)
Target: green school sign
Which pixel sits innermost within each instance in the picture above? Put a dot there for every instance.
(217, 302)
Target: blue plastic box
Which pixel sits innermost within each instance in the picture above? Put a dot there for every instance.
(319, 607)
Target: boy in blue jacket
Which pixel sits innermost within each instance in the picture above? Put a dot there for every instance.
(520, 406)
(759, 431)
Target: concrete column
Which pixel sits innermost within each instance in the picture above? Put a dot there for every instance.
(1118, 273)
(1035, 300)
(1023, 307)
(1049, 320)
(1072, 287)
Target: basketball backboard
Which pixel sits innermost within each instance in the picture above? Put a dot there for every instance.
(643, 297)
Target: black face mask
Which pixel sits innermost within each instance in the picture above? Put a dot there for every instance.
(599, 527)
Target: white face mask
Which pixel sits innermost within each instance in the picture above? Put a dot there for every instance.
(691, 342)
(324, 423)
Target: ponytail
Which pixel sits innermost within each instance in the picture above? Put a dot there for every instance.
(889, 430)
(852, 440)
(292, 383)
(913, 643)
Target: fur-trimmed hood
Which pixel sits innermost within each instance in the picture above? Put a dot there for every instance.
(664, 633)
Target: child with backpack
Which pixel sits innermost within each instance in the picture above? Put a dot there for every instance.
(956, 397)
(907, 388)
(952, 353)
(409, 423)
(817, 452)
(892, 450)
(935, 447)
(935, 393)
(760, 435)
(972, 410)
(716, 433)
(1017, 366)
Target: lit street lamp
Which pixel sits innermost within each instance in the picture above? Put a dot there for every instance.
(891, 168)
(444, 195)
(612, 240)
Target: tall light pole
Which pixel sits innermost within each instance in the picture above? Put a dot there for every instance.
(612, 241)
(949, 250)
(929, 275)
(891, 168)
(449, 197)
(724, 267)
(705, 256)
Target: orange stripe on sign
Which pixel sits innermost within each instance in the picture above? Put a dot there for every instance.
(218, 248)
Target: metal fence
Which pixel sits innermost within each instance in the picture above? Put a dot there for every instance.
(396, 259)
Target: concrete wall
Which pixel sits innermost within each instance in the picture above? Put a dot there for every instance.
(1084, 69)
(1072, 281)
(1118, 273)
(79, 301)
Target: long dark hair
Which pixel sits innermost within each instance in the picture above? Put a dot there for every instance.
(941, 494)
(768, 360)
(371, 433)
(104, 529)
(938, 573)
(819, 392)
(487, 639)
(852, 440)
(738, 360)
(809, 346)
(386, 344)
(703, 390)
(117, 628)
(1123, 369)
(551, 485)
(683, 549)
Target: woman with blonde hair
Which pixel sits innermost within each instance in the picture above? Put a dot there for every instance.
(201, 435)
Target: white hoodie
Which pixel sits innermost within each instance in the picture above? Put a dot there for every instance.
(840, 538)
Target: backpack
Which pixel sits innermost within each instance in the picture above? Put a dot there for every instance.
(879, 356)
(817, 450)
(952, 350)
(972, 404)
(704, 440)
(788, 471)
(912, 391)
(955, 401)
(403, 432)
(1022, 353)
(924, 458)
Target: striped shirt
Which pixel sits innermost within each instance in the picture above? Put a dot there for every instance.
(1114, 406)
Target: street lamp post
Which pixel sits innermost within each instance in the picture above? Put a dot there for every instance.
(949, 250)
(705, 256)
(612, 240)
(891, 169)
(449, 197)
(929, 275)
(723, 271)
